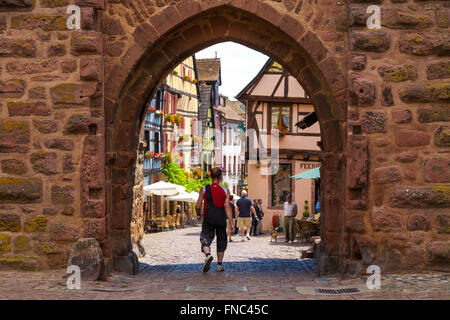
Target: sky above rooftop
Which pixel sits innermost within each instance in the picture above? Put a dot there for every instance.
(239, 64)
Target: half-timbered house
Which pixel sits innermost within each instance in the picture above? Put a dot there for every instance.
(275, 102)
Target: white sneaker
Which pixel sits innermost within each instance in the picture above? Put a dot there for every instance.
(220, 268)
(248, 237)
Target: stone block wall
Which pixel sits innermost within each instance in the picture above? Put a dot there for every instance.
(399, 84)
(51, 132)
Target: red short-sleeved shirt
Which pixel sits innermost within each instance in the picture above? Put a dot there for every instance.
(219, 195)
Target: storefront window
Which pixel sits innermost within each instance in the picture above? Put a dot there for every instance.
(281, 184)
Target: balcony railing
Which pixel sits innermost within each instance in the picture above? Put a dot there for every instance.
(152, 165)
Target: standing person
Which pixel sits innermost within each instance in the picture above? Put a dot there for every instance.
(246, 209)
(290, 212)
(234, 212)
(255, 219)
(260, 217)
(216, 211)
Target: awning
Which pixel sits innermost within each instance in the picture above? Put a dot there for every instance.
(183, 196)
(194, 196)
(310, 174)
(162, 188)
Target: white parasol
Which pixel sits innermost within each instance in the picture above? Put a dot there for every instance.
(183, 196)
(162, 188)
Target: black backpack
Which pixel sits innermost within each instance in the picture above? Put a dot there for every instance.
(214, 216)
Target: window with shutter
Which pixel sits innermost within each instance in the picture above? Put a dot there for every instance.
(166, 146)
(174, 103)
(166, 102)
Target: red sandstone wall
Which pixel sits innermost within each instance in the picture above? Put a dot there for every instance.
(51, 132)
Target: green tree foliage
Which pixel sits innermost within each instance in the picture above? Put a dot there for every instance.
(176, 175)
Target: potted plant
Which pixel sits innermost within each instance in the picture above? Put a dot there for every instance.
(169, 118)
(279, 132)
(175, 72)
(177, 119)
(283, 132)
(306, 210)
(168, 157)
(148, 154)
(197, 173)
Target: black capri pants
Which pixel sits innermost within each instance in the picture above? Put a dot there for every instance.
(207, 237)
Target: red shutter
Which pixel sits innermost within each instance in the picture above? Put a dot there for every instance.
(166, 102)
(194, 127)
(174, 103)
(182, 124)
(165, 143)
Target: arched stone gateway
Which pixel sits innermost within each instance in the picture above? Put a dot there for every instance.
(72, 105)
(150, 58)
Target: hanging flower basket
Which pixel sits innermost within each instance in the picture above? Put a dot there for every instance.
(197, 173)
(153, 155)
(279, 132)
(148, 154)
(177, 119)
(173, 118)
(169, 118)
(151, 109)
(158, 112)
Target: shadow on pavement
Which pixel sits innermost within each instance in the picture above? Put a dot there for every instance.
(252, 265)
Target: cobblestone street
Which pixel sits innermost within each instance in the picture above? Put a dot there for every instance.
(255, 269)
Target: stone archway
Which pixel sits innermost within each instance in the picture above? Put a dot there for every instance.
(156, 50)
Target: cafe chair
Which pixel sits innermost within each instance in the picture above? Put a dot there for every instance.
(173, 222)
(178, 223)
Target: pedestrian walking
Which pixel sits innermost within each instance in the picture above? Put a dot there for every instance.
(290, 212)
(234, 212)
(246, 210)
(216, 211)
